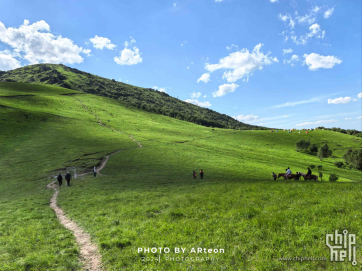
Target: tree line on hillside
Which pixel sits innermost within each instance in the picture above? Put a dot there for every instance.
(352, 158)
(343, 131)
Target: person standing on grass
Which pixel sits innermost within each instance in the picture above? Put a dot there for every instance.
(194, 174)
(60, 180)
(67, 177)
(95, 172)
(201, 174)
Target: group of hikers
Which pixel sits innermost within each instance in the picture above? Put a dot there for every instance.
(67, 177)
(194, 174)
(288, 175)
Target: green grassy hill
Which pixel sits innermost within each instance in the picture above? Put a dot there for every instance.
(144, 98)
(146, 197)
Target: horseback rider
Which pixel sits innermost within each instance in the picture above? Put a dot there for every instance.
(309, 173)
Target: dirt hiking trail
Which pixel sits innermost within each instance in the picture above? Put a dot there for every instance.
(89, 253)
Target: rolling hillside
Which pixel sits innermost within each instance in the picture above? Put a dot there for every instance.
(146, 197)
(145, 98)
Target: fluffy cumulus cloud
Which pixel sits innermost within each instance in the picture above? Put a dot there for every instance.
(328, 13)
(195, 95)
(225, 89)
(35, 43)
(341, 100)
(160, 89)
(247, 118)
(316, 122)
(359, 95)
(242, 63)
(204, 78)
(292, 60)
(315, 61)
(87, 52)
(7, 61)
(287, 51)
(101, 43)
(196, 102)
(129, 56)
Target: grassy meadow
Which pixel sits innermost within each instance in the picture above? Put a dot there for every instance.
(147, 197)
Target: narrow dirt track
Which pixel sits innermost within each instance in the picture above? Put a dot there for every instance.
(89, 253)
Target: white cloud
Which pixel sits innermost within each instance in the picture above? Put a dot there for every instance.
(35, 43)
(359, 95)
(195, 95)
(312, 100)
(7, 61)
(101, 43)
(205, 96)
(187, 67)
(182, 44)
(347, 118)
(219, 0)
(232, 46)
(315, 61)
(328, 13)
(273, 1)
(316, 123)
(341, 100)
(174, 4)
(204, 78)
(225, 89)
(292, 60)
(87, 52)
(285, 18)
(196, 102)
(287, 51)
(129, 56)
(247, 118)
(242, 63)
(314, 30)
(359, 117)
(160, 89)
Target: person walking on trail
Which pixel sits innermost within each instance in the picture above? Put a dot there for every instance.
(67, 177)
(60, 180)
(309, 173)
(201, 174)
(95, 172)
(194, 174)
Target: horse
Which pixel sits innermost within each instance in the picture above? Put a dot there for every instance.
(311, 177)
(291, 176)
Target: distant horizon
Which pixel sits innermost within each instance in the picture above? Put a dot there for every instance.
(270, 63)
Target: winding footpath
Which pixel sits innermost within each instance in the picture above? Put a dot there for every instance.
(89, 253)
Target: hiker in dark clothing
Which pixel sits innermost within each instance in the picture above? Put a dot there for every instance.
(309, 173)
(95, 172)
(67, 177)
(274, 176)
(201, 174)
(60, 179)
(194, 174)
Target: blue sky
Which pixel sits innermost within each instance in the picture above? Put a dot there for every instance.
(283, 63)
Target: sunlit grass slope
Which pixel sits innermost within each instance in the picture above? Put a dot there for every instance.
(147, 197)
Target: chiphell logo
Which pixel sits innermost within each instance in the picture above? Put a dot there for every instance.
(342, 246)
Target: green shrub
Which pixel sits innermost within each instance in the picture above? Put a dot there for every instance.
(320, 167)
(324, 152)
(313, 148)
(338, 164)
(312, 166)
(333, 177)
(302, 144)
(354, 157)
